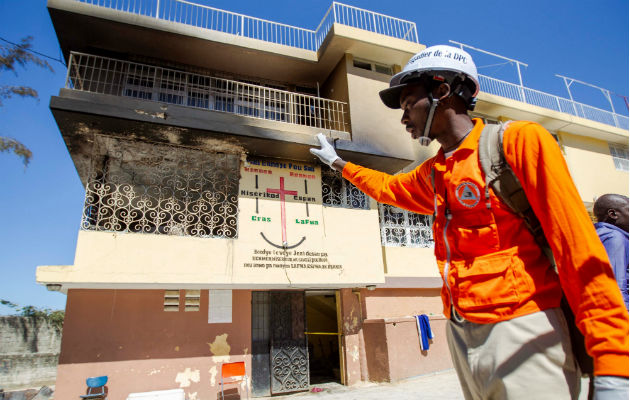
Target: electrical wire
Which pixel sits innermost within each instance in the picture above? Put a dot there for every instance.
(59, 60)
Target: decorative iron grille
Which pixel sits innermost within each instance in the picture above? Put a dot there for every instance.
(147, 188)
(289, 366)
(289, 353)
(338, 192)
(403, 228)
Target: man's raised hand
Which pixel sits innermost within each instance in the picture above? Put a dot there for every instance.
(326, 153)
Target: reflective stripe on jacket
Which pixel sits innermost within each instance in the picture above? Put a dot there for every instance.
(492, 268)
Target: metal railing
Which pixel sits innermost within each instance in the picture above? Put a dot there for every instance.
(191, 13)
(104, 75)
(549, 101)
(375, 22)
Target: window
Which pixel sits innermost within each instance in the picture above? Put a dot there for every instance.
(224, 96)
(172, 87)
(171, 300)
(372, 66)
(383, 69)
(362, 64)
(403, 228)
(248, 100)
(275, 105)
(619, 154)
(139, 82)
(146, 188)
(485, 119)
(338, 192)
(220, 306)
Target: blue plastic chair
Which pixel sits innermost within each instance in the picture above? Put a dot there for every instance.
(96, 387)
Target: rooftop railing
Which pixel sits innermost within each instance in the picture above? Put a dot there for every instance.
(122, 78)
(202, 16)
(206, 17)
(549, 101)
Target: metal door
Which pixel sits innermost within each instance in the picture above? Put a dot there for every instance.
(289, 353)
(260, 345)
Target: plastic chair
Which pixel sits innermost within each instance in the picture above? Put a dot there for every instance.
(96, 388)
(233, 372)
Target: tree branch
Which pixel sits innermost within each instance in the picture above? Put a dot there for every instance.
(13, 146)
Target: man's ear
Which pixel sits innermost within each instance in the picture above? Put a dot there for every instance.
(442, 91)
(611, 213)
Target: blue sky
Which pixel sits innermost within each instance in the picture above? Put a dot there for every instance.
(40, 206)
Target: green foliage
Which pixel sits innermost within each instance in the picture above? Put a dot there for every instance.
(11, 56)
(55, 317)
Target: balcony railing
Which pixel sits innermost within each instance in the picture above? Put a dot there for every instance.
(191, 13)
(546, 100)
(122, 78)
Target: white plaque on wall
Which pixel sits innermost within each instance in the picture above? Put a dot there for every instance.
(220, 307)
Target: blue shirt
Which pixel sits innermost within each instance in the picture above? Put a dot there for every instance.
(615, 241)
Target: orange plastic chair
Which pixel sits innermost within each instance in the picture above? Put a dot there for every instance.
(233, 372)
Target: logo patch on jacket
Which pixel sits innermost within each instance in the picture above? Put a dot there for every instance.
(467, 194)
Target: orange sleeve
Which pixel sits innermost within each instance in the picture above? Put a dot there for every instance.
(583, 268)
(411, 191)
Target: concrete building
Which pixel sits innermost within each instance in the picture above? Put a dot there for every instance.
(210, 234)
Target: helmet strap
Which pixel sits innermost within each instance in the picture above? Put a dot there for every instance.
(424, 139)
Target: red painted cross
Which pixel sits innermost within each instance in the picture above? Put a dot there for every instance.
(283, 215)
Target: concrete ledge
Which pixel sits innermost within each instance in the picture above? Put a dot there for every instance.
(80, 115)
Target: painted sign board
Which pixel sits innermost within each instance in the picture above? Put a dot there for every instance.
(283, 228)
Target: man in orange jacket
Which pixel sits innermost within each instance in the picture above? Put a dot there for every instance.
(507, 335)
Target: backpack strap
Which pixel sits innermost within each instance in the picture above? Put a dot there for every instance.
(504, 183)
(432, 176)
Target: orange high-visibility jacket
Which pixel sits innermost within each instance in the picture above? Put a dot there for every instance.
(492, 268)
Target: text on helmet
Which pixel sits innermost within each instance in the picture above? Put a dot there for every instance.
(439, 53)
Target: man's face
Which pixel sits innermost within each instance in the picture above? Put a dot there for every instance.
(415, 104)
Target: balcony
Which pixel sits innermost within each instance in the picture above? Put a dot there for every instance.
(189, 14)
(181, 32)
(109, 76)
(201, 16)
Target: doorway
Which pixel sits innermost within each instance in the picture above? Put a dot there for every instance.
(279, 346)
(323, 337)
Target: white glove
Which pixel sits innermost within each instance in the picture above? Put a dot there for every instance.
(610, 388)
(327, 153)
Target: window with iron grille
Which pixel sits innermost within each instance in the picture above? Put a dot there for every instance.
(401, 228)
(338, 192)
(146, 188)
(619, 154)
